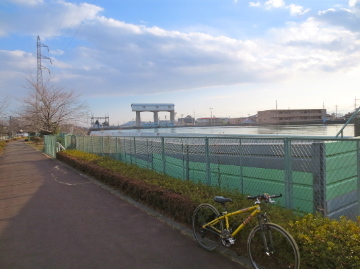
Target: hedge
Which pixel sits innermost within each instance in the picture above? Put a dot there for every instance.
(323, 242)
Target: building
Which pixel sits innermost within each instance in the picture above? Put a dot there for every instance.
(285, 116)
(188, 120)
(243, 120)
(212, 121)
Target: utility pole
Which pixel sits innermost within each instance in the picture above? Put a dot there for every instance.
(336, 111)
(355, 103)
(211, 115)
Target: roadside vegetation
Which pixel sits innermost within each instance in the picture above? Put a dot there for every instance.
(323, 243)
(3, 143)
(2, 146)
(36, 142)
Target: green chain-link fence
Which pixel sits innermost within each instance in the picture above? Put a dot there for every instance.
(312, 174)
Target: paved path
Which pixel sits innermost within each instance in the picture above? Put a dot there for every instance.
(53, 217)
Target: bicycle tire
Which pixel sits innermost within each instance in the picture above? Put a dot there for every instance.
(203, 214)
(284, 254)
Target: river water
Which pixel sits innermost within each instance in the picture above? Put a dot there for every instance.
(330, 130)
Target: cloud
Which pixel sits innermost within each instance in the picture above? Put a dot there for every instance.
(254, 4)
(354, 3)
(116, 58)
(49, 19)
(134, 59)
(316, 46)
(274, 4)
(26, 2)
(348, 17)
(295, 10)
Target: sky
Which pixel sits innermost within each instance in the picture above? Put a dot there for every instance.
(225, 58)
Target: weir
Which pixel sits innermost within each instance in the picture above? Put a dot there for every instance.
(155, 108)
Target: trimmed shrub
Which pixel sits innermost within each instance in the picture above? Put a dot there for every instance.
(323, 242)
(327, 243)
(37, 140)
(167, 201)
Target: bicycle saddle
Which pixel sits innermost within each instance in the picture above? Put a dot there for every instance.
(221, 200)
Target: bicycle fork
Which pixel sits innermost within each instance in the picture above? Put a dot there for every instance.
(268, 246)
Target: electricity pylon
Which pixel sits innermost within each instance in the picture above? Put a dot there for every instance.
(39, 81)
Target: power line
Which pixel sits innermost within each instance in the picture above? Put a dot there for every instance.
(67, 35)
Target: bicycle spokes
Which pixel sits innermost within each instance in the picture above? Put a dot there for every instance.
(206, 232)
(272, 247)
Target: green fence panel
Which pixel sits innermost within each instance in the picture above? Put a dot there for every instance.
(313, 174)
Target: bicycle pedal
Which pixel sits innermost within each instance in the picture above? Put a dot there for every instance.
(227, 242)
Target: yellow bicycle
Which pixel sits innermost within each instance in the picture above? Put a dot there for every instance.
(268, 245)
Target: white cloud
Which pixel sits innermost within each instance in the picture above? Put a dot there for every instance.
(315, 46)
(296, 10)
(254, 4)
(274, 4)
(354, 3)
(138, 58)
(348, 18)
(48, 20)
(26, 2)
(56, 52)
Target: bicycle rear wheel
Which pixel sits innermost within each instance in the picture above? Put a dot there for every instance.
(208, 238)
(272, 248)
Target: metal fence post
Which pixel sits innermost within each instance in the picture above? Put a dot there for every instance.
(152, 156)
(319, 185)
(131, 155)
(289, 196)
(187, 164)
(92, 144)
(135, 150)
(358, 178)
(183, 159)
(116, 148)
(207, 162)
(76, 139)
(241, 166)
(163, 153)
(102, 146)
(124, 148)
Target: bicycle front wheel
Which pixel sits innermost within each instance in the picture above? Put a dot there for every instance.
(273, 247)
(209, 237)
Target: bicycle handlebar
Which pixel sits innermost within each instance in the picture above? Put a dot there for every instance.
(264, 196)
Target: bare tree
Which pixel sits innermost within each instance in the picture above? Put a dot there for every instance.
(3, 105)
(46, 107)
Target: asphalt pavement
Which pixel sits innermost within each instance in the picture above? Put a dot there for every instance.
(51, 216)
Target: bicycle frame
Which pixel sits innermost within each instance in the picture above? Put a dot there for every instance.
(256, 210)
